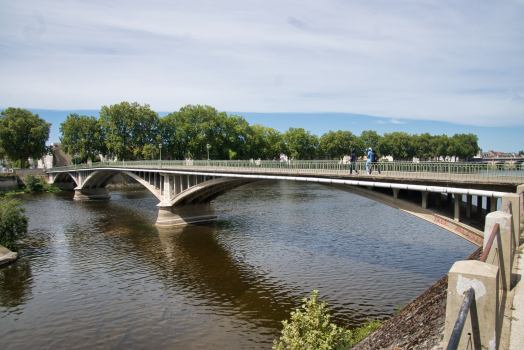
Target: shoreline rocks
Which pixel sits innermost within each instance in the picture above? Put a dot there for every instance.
(7, 256)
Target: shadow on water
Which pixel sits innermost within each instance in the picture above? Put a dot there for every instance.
(16, 283)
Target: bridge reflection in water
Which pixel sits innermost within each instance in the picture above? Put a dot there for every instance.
(186, 189)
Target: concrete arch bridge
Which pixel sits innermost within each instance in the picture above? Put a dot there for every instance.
(186, 191)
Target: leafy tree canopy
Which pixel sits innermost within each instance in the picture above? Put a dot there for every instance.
(82, 135)
(128, 128)
(22, 135)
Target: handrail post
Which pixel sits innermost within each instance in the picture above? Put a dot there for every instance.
(502, 250)
(520, 193)
(481, 325)
(515, 211)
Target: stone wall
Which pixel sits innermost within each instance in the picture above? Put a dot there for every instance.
(38, 173)
(8, 183)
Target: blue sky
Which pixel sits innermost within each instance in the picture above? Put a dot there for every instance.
(385, 65)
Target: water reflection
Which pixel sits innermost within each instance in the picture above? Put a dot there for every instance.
(15, 284)
(102, 276)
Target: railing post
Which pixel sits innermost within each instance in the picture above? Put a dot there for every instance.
(501, 253)
(515, 211)
(480, 328)
(520, 192)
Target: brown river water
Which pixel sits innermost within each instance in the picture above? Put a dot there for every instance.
(100, 275)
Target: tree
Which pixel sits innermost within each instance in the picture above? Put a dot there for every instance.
(423, 146)
(463, 145)
(370, 138)
(300, 143)
(399, 145)
(82, 135)
(264, 142)
(337, 144)
(22, 135)
(439, 145)
(128, 129)
(13, 222)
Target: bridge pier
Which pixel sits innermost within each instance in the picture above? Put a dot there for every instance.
(457, 207)
(91, 193)
(169, 216)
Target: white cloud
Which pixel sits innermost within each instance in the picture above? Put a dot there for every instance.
(435, 60)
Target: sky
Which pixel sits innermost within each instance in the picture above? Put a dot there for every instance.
(442, 67)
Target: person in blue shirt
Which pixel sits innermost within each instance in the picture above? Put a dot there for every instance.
(368, 162)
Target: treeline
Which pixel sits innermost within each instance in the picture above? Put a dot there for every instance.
(133, 131)
(130, 130)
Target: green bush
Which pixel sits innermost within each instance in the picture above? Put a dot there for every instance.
(311, 329)
(13, 222)
(33, 184)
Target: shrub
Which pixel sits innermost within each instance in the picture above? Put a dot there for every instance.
(312, 329)
(13, 222)
(33, 184)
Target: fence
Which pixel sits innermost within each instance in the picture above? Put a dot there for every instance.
(430, 170)
(477, 290)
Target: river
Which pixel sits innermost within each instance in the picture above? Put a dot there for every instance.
(100, 275)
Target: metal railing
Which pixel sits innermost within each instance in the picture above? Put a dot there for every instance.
(461, 319)
(430, 170)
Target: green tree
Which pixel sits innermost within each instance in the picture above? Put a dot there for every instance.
(423, 146)
(264, 142)
(337, 144)
(400, 145)
(13, 222)
(311, 329)
(128, 129)
(82, 135)
(439, 145)
(300, 143)
(22, 135)
(463, 146)
(370, 139)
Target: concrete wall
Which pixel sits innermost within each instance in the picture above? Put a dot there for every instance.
(8, 183)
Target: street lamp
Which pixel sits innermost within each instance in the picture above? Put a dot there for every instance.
(208, 151)
(160, 147)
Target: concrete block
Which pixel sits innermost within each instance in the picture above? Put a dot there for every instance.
(502, 250)
(480, 329)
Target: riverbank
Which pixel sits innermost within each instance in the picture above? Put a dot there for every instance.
(419, 325)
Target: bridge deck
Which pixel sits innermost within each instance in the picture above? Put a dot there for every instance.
(439, 172)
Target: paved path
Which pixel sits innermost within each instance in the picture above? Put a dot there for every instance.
(516, 339)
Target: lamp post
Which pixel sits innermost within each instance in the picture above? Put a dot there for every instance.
(160, 147)
(208, 151)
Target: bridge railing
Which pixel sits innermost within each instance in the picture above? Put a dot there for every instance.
(424, 170)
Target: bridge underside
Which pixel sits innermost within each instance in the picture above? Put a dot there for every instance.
(187, 198)
(437, 209)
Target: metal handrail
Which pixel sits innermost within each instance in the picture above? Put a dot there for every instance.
(461, 319)
(485, 253)
(427, 170)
